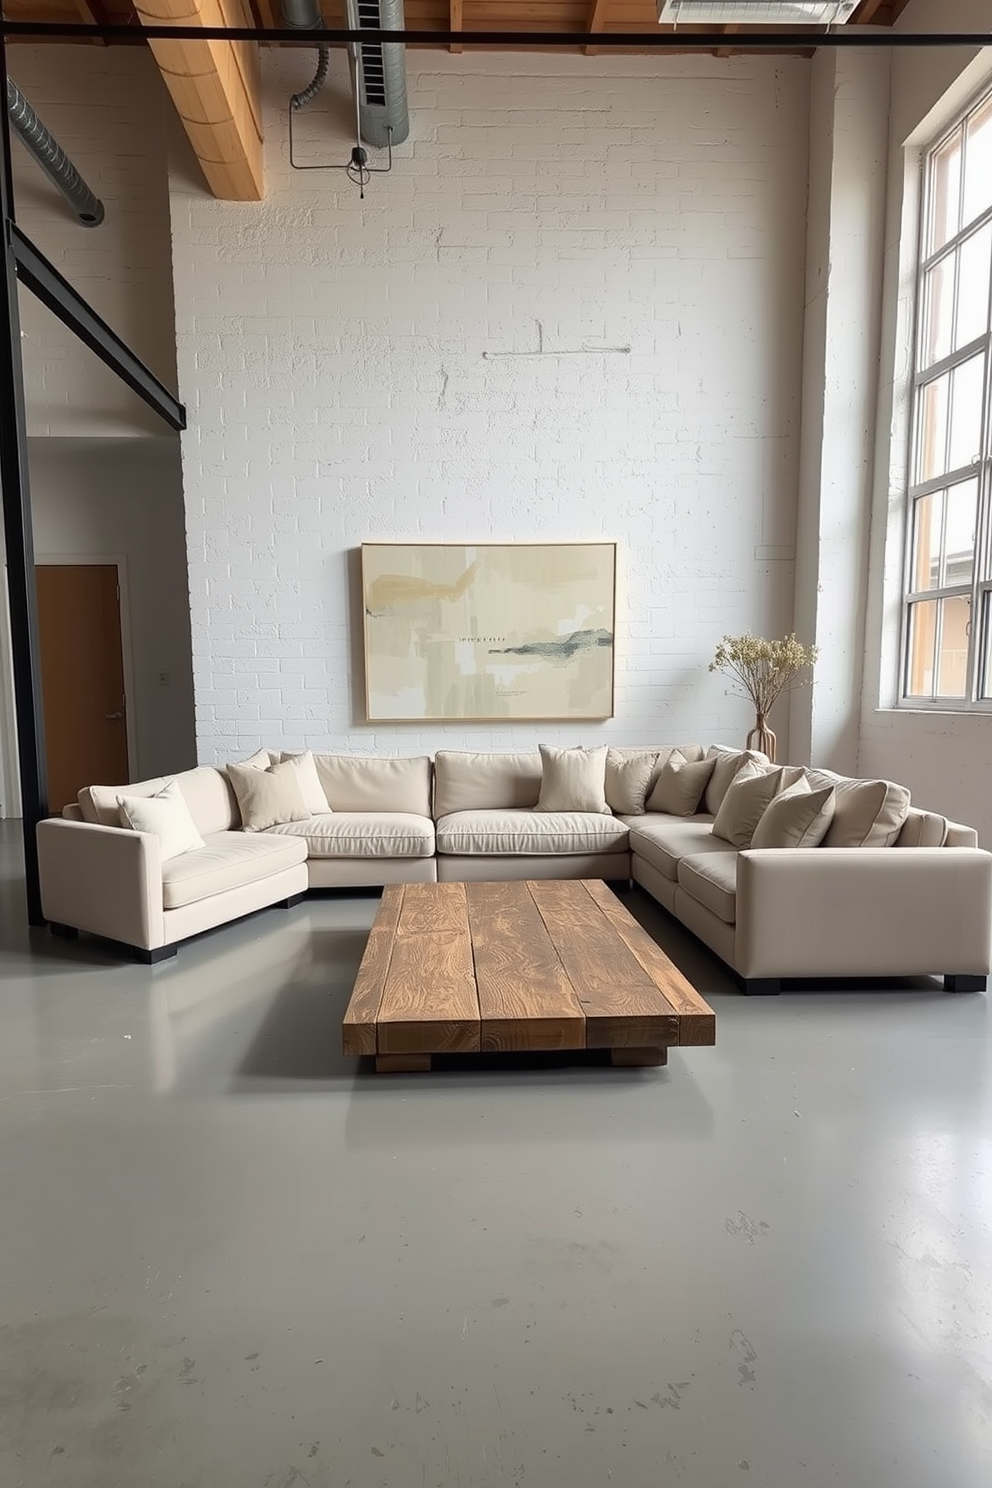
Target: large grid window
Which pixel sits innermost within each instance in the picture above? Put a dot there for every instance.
(948, 622)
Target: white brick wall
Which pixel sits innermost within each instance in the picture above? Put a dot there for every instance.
(107, 107)
(331, 356)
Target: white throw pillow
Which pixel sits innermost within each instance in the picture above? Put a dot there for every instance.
(680, 785)
(268, 798)
(628, 780)
(751, 791)
(260, 760)
(799, 817)
(572, 780)
(310, 786)
(166, 815)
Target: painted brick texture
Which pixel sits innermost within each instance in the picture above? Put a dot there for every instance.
(345, 367)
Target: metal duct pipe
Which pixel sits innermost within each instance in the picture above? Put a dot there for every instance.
(52, 158)
(304, 15)
(381, 73)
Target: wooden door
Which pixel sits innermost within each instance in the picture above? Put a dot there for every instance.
(82, 678)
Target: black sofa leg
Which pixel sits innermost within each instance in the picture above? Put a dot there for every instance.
(966, 983)
(762, 986)
(152, 958)
(65, 932)
(291, 902)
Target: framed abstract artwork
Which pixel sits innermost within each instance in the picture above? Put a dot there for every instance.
(491, 631)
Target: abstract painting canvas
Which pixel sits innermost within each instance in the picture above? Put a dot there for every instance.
(492, 631)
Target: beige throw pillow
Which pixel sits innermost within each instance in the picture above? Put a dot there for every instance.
(260, 760)
(798, 817)
(868, 813)
(572, 779)
(680, 785)
(628, 780)
(267, 798)
(310, 786)
(166, 815)
(750, 793)
(726, 763)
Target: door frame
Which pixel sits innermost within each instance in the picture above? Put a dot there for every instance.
(118, 561)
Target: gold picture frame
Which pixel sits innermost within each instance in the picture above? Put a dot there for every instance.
(488, 632)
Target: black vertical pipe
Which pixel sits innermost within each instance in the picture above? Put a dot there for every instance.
(19, 539)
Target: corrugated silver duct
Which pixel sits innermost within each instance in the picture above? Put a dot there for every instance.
(52, 158)
(381, 75)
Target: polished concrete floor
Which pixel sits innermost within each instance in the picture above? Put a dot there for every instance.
(232, 1259)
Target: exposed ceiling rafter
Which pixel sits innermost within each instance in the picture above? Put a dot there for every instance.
(214, 86)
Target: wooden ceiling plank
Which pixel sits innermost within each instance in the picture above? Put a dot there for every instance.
(455, 22)
(215, 88)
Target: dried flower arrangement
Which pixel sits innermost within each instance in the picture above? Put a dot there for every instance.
(763, 670)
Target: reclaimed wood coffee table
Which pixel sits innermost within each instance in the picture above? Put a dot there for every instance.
(460, 968)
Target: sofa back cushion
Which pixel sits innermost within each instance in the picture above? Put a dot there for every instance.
(98, 803)
(868, 813)
(923, 829)
(208, 794)
(467, 781)
(205, 789)
(353, 782)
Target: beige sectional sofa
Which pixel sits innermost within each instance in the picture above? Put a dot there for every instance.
(919, 903)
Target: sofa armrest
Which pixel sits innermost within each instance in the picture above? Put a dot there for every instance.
(849, 912)
(102, 879)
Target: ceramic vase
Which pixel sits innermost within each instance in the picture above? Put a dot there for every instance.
(761, 737)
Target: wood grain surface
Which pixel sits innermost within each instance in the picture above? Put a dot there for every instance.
(429, 1002)
(623, 1005)
(542, 964)
(697, 1020)
(525, 998)
(359, 1027)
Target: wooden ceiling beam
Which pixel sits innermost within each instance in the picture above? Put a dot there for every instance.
(597, 22)
(867, 13)
(215, 88)
(93, 14)
(456, 15)
(728, 30)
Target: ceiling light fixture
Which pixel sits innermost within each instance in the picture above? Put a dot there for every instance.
(757, 12)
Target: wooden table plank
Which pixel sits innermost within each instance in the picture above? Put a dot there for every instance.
(429, 1003)
(430, 907)
(358, 1030)
(697, 1020)
(525, 999)
(623, 1005)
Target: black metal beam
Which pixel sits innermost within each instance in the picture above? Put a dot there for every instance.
(678, 40)
(19, 540)
(44, 280)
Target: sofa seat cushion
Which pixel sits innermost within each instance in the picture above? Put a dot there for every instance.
(362, 834)
(711, 879)
(505, 833)
(663, 840)
(227, 860)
